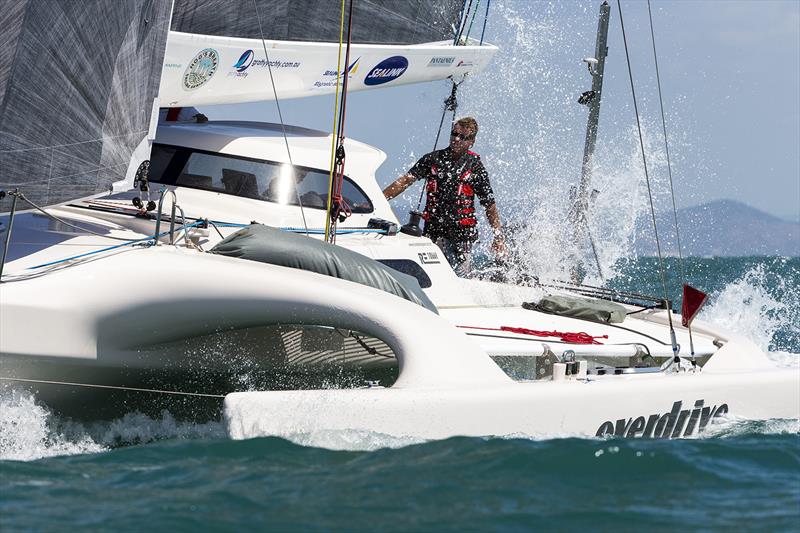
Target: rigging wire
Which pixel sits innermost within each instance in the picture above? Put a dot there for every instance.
(280, 115)
(112, 387)
(335, 119)
(463, 22)
(666, 146)
(469, 30)
(338, 209)
(485, 18)
(450, 104)
(675, 347)
(62, 221)
(644, 157)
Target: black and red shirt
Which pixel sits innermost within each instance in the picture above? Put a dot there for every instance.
(451, 189)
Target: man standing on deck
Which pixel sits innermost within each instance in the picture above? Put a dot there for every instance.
(454, 176)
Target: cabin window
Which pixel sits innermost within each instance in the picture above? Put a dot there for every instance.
(250, 178)
(407, 266)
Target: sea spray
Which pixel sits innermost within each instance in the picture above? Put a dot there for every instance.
(27, 430)
(763, 304)
(30, 431)
(758, 297)
(532, 133)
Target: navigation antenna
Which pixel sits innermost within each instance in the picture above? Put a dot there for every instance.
(591, 99)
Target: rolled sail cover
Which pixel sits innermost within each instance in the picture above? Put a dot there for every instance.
(266, 244)
(77, 82)
(374, 21)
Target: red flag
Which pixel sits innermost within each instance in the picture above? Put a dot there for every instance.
(693, 300)
(172, 113)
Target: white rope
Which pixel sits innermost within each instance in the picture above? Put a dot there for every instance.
(113, 387)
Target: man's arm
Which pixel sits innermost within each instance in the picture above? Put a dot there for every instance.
(400, 184)
(498, 243)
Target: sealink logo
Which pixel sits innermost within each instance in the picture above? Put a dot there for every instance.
(676, 423)
(245, 61)
(387, 70)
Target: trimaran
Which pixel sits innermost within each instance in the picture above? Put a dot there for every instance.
(180, 300)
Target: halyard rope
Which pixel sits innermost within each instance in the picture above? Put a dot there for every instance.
(280, 115)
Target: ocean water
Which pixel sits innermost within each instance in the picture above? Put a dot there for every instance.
(138, 472)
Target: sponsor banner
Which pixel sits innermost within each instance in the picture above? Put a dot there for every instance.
(201, 69)
(440, 61)
(387, 70)
(190, 76)
(248, 61)
(330, 77)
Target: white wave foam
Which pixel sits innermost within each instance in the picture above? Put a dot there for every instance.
(731, 426)
(27, 433)
(30, 431)
(350, 440)
(764, 307)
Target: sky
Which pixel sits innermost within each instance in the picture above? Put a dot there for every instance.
(730, 77)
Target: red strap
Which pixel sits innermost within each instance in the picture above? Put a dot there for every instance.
(568, 337)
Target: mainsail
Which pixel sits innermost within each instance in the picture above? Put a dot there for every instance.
(374, 21)
(78, 80)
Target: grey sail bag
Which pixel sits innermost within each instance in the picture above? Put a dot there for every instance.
(594, 310)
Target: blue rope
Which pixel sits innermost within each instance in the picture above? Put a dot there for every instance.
(129, 243)
(228, 224)
(199, 222)
(344, 231)
(304, 230)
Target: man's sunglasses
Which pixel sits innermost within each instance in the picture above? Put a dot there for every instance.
(461, 136)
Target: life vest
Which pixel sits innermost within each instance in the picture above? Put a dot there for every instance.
(462, 213)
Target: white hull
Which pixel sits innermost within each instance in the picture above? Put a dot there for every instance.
(622, 406)
(193, 326)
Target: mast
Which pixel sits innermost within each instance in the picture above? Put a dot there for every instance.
(591, 99)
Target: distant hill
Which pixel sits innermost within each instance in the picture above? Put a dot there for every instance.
(720, 228)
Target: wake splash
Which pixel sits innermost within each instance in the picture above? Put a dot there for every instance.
(30, 431)
(26, 431)
(763, 304)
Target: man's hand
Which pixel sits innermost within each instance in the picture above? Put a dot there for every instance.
(499, 246)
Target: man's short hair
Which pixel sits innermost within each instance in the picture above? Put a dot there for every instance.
(469, 123)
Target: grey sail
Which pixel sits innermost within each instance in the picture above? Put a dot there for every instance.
(77, 79)
(374, 21)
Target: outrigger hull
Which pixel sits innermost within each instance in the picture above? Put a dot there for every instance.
(650, 406)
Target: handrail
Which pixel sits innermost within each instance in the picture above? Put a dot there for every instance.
(175, 206)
